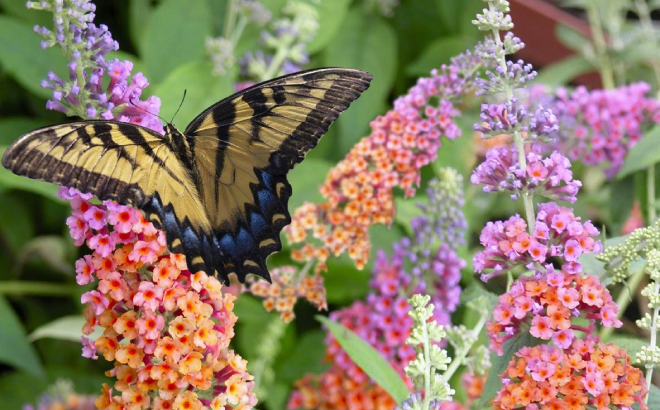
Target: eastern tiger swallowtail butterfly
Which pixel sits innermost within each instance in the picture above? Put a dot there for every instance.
(217, 189)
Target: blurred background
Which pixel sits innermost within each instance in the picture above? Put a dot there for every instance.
(397, 41)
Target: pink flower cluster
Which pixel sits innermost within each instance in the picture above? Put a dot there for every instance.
(166, 329)
(557, 233)
(547, 176)
(589, 373)
(600, 126)
(551, 301)
(359, 190)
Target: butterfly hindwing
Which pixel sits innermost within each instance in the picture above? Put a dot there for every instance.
(244, 146)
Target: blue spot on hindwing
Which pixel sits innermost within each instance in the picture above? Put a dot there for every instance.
(258, 225)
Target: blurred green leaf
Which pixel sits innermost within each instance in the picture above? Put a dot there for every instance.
(344, 282)
(654, 397)
(306, 358)
(14, 347)
(22, 57)
(139, 13)
(18, 9)
(621, 200)
(476, 290)
(644, 154)
(305, 180)
(368, 43)
(562, 72)
(573, 39)
(437, 53)
(202, 90)
(250, 310)
(174, 35)
(499, 364)
(64, 328)
(449, 12)
(9, 180)
(13, 127)
(592, 266)
(368, 359)
(331, 15)
(16, 226)
(278, 394)
(406, 210)
(54, 250)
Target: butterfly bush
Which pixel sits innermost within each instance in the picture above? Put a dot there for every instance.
(60, 396)
(167, 330)
(599, 127)
(554, 297)
(418, 266)
(588, 373)
(359, 190)
(82, 94)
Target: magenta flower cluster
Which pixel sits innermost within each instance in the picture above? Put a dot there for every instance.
(557, 233)
(546, 176)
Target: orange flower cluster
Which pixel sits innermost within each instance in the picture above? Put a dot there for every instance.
(588, 374)
(288, 285)
(359, 190)
(166, 329)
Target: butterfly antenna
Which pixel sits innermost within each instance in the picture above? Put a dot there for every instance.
(177, 110)
(148, 112)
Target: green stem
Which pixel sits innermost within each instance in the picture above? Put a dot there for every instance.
(280, 54)
(654, 340)
(24, 288)
(230, 19)
(650, 191)
(458, 360)
(600, 46)
(645, 20)
(427, 369)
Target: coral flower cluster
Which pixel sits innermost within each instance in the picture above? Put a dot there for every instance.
(588, 374)
(557, 233)
(359, 190)
(166, 329)
(550, 301)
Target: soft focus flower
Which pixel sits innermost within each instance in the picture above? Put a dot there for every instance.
(61, 396)
(359, 190)
(550, 302)
(588, 373)
(288, 285)
(167, 329)
(599, 127)
(557, 233)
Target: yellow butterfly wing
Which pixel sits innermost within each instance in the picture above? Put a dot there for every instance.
(116, 161)
(243, 147)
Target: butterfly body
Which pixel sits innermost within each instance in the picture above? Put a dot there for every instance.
(217, 189)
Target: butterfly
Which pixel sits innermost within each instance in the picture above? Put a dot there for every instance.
(218, 189)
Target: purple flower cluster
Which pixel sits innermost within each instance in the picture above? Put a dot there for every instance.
(550, 177)
(83, 93)
(557, 233)
(600, 126)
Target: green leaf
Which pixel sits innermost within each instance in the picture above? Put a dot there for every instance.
(449, 12)
(174, 35)
(368, 43)
(9, 180)
(203, 89)
(139, 13)
(476, 290)
(573, 39)
(644, 154)
(654, 397)
(562, 72)
(592, 266)
(332, 14)
(13, 127)
(18, 9)
(14, 347)
(16, 225)
(307, 357)
(64, 328)
(500, 363)
(22, 57)
(344, 282)
(632, 345)
(437, 53)
(305, 180)
(369, 359)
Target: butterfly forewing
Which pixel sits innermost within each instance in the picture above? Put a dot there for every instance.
(222, 199)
